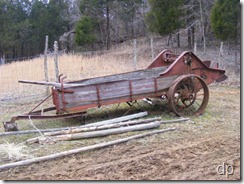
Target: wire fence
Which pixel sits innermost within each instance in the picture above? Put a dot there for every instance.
(137, 54)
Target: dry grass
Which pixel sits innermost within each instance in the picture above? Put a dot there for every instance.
(13, 152)
(74, 66)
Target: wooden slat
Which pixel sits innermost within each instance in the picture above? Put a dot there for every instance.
(148, 73)
(116, 91)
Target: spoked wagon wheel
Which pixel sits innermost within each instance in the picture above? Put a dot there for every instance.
(188, 95)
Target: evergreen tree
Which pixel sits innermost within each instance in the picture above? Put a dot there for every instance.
(109, 14)
(225, 19)
(47, 18)
(85, 31)
(164, 16)
(14, 26)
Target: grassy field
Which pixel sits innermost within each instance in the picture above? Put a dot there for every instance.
(74, 66)
(192, 152)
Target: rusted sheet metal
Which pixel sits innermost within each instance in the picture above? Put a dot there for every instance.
(187, 63)
(165, 58)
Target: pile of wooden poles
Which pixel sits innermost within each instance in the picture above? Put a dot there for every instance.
(104, 128)
(108, 127)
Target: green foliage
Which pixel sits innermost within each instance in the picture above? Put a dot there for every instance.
(51, 22)
(164, 16)
(112, 17)
(85, 31)
(225, 19)
(24, 25)
(13, 24)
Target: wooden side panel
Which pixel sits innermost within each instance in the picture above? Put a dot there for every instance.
(113, 92)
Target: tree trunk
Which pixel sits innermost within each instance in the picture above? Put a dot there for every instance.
(202, 27)
(108, 25)
(178, 39)
(193, 35)
(169, 39)
(236, 48)
(102, 35)
(189, 37)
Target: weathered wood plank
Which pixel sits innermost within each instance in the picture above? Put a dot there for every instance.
(139, 87)
(148, 73)
(101, 127)
(98, 133)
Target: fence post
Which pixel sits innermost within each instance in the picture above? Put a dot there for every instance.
(56, 60)
(45, 64)
(221, 53)
(135, 54)
(152, 51)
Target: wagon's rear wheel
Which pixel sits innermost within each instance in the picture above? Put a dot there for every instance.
(188, 95)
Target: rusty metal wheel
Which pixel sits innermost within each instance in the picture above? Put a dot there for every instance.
(188, 95)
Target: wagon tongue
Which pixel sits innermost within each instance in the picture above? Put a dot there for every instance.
(222, 78)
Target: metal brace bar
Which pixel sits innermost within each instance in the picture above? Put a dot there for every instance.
(131, 93)
(98, 96)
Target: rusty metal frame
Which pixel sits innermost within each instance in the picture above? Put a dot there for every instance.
(38, 115)
(131, 92)
(98, 95)
(155, 86)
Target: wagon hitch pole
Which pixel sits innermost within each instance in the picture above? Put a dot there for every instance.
(40, 103)
(12, 125)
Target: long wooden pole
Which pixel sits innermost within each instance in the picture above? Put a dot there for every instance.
(78, 127)
(79, 150)
(93, 134)
(101, 127)
(114, 125)
(116, 120)
(111, 121)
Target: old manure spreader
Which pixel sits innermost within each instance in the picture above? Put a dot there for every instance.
(183, 79)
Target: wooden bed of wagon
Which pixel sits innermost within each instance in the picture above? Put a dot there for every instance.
(182, 79)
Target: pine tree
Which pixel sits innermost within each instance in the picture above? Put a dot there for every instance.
(164, 16)
(85, 31)
(225, 22)
(225, 19)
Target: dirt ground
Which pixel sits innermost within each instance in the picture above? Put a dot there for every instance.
(193, 152)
